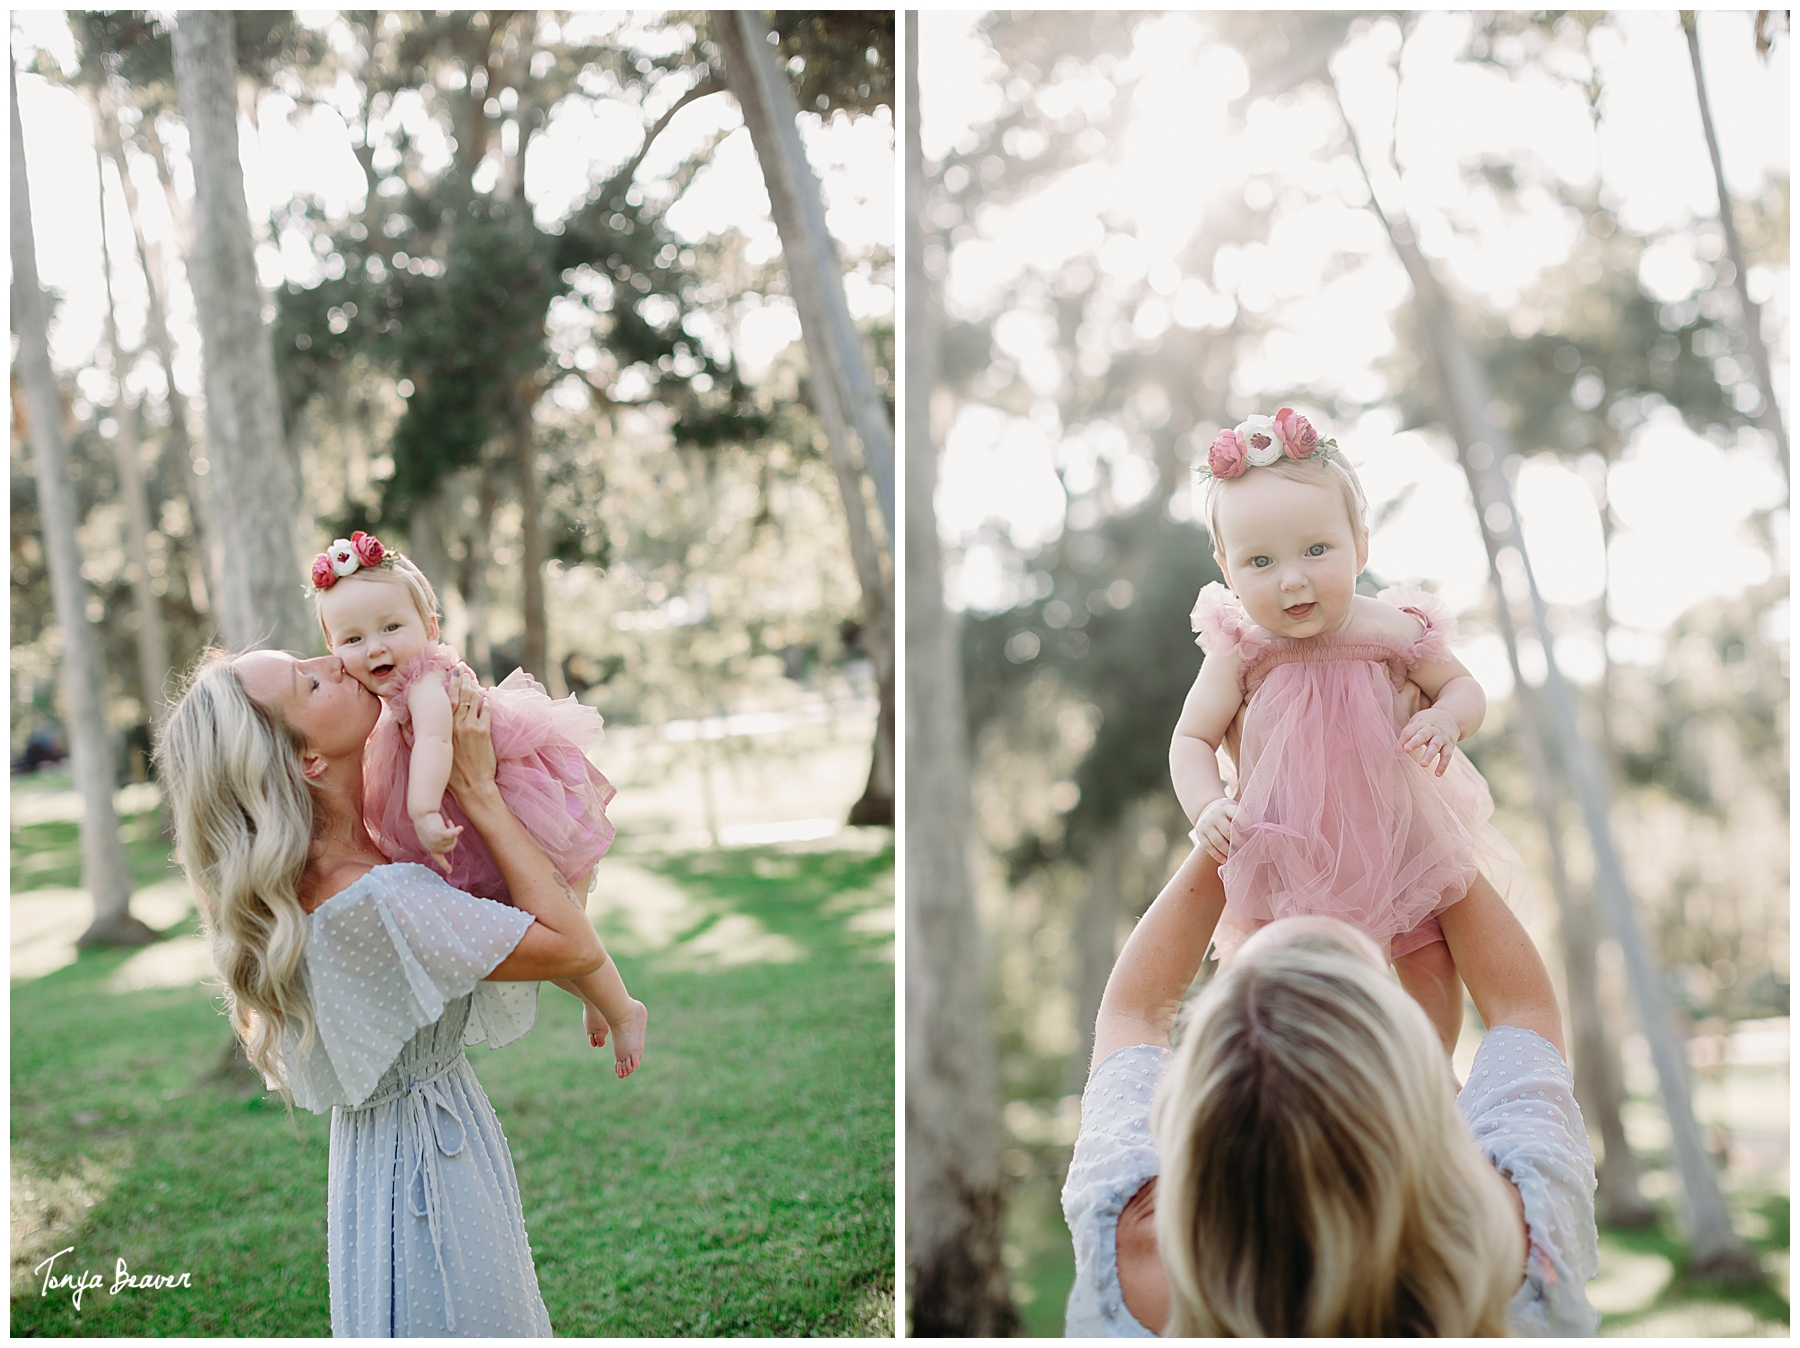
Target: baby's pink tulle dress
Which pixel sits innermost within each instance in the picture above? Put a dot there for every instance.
(1332, 817)
(544, 776)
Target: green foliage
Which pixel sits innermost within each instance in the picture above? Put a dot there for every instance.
(1134, 663)
(449, 289)
(845, 58)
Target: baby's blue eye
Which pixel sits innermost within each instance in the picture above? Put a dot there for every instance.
(1259, 561)
(1316, 550)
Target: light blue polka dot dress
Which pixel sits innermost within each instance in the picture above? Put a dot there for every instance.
(1519, 1101)
(426, 1235)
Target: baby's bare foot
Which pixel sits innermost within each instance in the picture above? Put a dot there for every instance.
(595, 1025)
(628, 1039)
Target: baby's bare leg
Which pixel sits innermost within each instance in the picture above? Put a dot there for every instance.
(609, 1008)
(1429, 974)
(593, 1020)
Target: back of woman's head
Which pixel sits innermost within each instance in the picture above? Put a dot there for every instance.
(1317, 1178)
(243, 813)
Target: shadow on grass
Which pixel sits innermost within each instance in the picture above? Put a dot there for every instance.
(1682, 1290)
(740, 1183)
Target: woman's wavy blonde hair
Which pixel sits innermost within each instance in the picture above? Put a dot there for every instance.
(243, 812)
(1317, 1178)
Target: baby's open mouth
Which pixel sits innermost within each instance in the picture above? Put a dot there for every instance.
(1297, 612)
(380, 671)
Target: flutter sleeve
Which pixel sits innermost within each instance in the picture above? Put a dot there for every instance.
(1435, 617)
(1114, 1157)
(1219, 620)
(1520, 1104)
(384, 959)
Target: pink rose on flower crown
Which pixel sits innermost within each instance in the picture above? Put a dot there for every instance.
(368, 551)
(1296, 433)
(323, 577)
(1226, 457)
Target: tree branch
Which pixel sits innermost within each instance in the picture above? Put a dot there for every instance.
(621, 180)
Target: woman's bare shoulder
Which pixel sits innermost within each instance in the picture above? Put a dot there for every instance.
(326, 881)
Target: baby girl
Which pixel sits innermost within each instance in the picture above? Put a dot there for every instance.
(380, 617)
(1338, 715)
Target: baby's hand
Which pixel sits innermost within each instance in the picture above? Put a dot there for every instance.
(437, 837)
(1431, 734)
(1212, 830)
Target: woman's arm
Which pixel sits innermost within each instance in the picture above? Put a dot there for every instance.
(1160, 960)
(561, 943)
(1500, 966)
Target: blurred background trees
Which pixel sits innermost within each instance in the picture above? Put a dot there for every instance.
(1145, 226)
(529, 323)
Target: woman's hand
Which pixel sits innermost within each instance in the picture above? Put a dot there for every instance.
(472, 764)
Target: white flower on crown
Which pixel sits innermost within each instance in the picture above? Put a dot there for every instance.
(343, 557)
(1261, 445)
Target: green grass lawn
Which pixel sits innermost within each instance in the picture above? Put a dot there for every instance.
(46, 855)
(740, 1183)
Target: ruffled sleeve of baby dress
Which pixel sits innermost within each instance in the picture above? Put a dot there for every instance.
(436, 658)
(1520, 1104)
(1222, 626)
(1114, 1157)
(383, 960)
(1439, 624)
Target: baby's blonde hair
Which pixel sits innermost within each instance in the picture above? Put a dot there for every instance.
(243, 813)
(1317, 1178)
(402, 573)
(1334, 472)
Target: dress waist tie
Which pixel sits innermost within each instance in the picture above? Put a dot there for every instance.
(429, 1125)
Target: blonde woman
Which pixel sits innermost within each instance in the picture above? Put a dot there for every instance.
(355, 984)
(1302, 1164)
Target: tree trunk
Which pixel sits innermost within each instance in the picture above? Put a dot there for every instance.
(534, 646)
(877, 803)
(152, 639)
(178, 209)
(954, 1188)
(480, 655)
(1752, 312)
(1716, 1250)
(105, 873)
(1598, 1078)
(200, 504)
(262, 598)
(815, 274)
(816, 277)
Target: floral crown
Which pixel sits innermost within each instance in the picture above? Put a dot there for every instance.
(1258, 441)
(348, 556)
